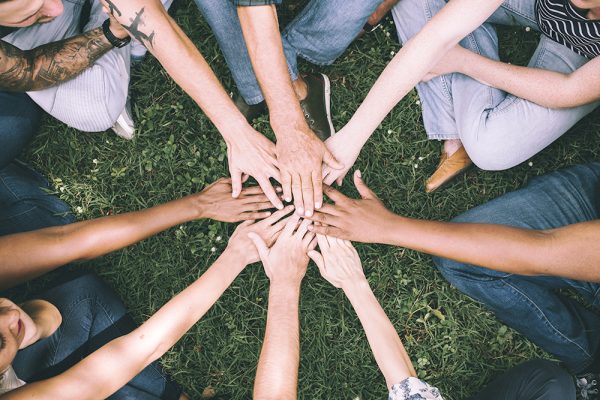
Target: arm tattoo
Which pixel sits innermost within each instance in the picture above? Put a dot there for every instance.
(133, 29)
(51, 63)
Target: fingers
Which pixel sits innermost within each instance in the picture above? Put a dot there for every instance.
(277, 215)
(317, 183)
(307, 240)
(255, 215)
(297, 193)
(307, 195)
(323, 218)
(363, 189)
(334, 195)
(340, 180)
(286, 185)
(291, 225)
(267, 188)
(313, 244)
(323, 243)
(303, 228)
(330, 160)
(327, 231)
(236, 183)
(260, 244)
(318, 259)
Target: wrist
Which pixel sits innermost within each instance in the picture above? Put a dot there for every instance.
(355, 288)
(286, 288)
(113, 39)
(389, 229)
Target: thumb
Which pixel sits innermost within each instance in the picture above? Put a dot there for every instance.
(260, 244)
(363, 189)
(318, 259)
(236, 183)
(330, 160)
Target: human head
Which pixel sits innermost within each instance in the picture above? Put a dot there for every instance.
(22, 13)
(16, 329)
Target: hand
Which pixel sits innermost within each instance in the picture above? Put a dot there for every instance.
(253, 154)
(450, 62)
(338, 261)
(365, 220)
(300, 156)
(268, 230)
(286, 261)
(345, 151)
(215, 202)
(115, 27)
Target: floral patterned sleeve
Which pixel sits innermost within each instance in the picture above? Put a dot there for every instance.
(414, 389)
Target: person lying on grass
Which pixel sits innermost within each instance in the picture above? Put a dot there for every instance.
(512, 254)
(107, 358)
(340, 265)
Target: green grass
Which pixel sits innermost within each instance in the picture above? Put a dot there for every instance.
(177, 151)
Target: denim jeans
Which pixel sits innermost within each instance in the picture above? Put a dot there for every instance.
(532, 380)
(497, 129)
(319, 34)
(92, 316)
(19, 121)
(94, 99)
(531, 304)
(26, 203)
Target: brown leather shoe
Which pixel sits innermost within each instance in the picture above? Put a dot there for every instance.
(448, 168)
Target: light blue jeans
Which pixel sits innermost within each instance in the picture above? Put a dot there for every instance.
(497, 129)
(319, 34)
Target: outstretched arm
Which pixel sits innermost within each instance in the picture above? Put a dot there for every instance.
(52, 63)
(339, 263)
(106, 370)
(28, 255)
(546, 88)
(285, 264)
(249, 152)
(569, 252)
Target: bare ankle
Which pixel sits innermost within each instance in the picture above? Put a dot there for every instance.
(300, 88)
(451, 146)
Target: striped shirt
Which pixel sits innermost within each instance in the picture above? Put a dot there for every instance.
(569, 26)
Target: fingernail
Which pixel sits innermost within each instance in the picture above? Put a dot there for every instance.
(300, 211)
(280, 207)
(308, 214)
(288, 199)
(318, 205)
(278, 190)
(358, 173)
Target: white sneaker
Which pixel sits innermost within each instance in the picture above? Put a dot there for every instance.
(138, 50)
(124, 126)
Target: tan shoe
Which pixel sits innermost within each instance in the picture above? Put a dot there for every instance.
(448, 168)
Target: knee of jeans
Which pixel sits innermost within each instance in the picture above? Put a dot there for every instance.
(551, 379)
(491, 155)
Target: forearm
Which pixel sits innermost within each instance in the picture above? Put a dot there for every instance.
(31, 254)
(417, 57)
(51, 63)
(182, 61)
(546, 88)
(277, 371)
(569, 252)
(385, 343)
(107, 369)
(263, 39)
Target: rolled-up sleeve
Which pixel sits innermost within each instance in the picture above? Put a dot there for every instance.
(245, 3)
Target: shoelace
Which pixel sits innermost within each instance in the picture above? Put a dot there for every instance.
(588, 387)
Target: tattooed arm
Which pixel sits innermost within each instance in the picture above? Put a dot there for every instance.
(52, 63)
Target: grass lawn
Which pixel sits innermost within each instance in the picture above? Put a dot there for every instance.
(454, 343)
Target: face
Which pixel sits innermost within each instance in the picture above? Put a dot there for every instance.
(15, 327)
(22, 13)
(586, 4)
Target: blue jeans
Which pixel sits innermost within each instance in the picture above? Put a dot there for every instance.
(19, 121)
(531, 304)
(92, 316)
(319, 34)
(497, 129)
(26, 203)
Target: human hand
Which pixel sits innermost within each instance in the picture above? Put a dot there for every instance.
(345, 151)
(254, 155)
(449, 63)
(338, 261)
(286, 261)
(215, 202)
(363, 220)
(115, 27)
(267, 229)
(301, 156)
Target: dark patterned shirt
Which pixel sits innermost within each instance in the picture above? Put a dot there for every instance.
(567, 25)
(255, 2)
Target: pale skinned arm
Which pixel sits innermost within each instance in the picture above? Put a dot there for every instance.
(415, 59)
(340, 265)
(30, 254)
(285, 264)
(546, 88)
(568, 252)
(300, 153)
(106, 370)
(249, 152)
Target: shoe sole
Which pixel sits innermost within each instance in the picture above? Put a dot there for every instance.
(450, 178)
(328, 102)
